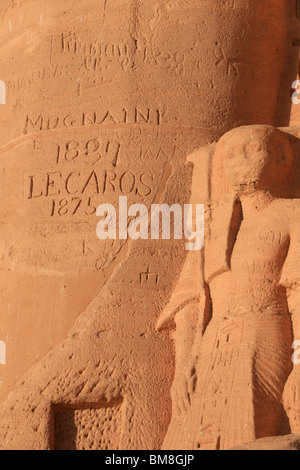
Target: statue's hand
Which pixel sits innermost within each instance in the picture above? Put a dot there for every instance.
(183, 387)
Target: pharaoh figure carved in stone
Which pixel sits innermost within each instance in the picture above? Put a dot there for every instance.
(228, 388)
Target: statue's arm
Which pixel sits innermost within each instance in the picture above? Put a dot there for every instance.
(187, 338)
(290, 277)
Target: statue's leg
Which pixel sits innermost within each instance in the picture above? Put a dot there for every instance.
(291, 396)
(240, 375)
(210, 417)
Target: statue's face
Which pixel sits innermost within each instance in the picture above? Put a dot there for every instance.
(243, 169)
(256, 160)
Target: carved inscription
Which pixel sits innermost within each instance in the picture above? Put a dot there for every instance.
(35, 77)
(81, 186)
(149, 277)
(90, 151)
(44, 122)
(97, 51)
(69, 174)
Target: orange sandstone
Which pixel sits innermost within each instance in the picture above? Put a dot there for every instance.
(109, 98)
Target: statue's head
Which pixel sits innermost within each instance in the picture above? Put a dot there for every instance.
(256, 158)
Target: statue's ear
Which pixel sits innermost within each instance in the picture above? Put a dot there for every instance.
(223, 221)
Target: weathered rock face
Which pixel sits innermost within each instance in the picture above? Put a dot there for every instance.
(290, 442)
(107, 99)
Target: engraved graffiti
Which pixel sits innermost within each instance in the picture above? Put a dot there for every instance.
(43, 122)
(90, 151)
(78, 182)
